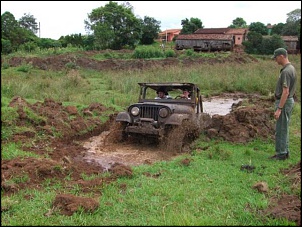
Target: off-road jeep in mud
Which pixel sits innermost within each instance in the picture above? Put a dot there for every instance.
(174, 121)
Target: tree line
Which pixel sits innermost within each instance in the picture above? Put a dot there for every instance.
(115, 26)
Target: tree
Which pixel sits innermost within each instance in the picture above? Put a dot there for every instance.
(238, 23)
(190, 26)
(277, 29)
(9, 26)
(150, 30)
(291, 29)
(258, 27)
(11, 30)
(271, 43)
(75, 40)
(28, 22)
(46, 43)
(88, 41)
(294, 16)
(6, 46)
(114, 26)
(293, 23)
(253, 45)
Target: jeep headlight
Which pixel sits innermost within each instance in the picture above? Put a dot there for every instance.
(134, 111)
(163, 112)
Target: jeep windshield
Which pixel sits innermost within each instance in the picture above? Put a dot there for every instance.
(149, 92)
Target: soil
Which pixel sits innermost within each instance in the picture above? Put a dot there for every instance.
(72, 143)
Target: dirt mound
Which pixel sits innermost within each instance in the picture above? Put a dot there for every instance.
(72, 60)
(54, 119)
(68, 204)
(243, 125)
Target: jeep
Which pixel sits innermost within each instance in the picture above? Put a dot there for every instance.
(174, 121)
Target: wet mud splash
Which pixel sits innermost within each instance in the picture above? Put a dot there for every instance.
(131, 152)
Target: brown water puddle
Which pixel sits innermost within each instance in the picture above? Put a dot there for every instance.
(220, 106)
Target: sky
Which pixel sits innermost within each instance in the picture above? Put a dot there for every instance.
(61, 18)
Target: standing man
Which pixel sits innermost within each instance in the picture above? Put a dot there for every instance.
(284, 92)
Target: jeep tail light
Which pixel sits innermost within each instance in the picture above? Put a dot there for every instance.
(163, 112)
(134, 111)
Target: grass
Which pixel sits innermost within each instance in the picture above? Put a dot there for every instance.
(212, 190)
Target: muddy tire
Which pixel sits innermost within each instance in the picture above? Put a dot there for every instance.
(175, 139)
(178, 136)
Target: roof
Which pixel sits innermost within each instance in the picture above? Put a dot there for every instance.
(168, 86)
(211, 31)
(290, 38)
(176, 30)
(204, 37)
(236, 31)
(285, 38)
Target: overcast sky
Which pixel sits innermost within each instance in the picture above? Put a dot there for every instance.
(61, 18)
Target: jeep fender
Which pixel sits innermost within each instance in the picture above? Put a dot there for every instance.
(123, 116)
(176, 119)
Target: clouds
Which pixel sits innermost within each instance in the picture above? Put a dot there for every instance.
(61, 18)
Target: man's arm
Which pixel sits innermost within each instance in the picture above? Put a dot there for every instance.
(284, 96)
(285, 93)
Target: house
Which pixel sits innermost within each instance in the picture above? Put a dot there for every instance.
(204, 42)
(239, 34)
(168, 34)
(212, 39)
(292, 44)
(225, 39)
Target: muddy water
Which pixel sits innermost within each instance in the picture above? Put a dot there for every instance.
(220, 106)
(127, 153)
(106, 154)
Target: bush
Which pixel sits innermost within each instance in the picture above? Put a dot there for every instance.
(6, 46)
(170, 53)
(148, 52)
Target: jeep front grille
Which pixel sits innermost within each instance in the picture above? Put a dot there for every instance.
(149, 112)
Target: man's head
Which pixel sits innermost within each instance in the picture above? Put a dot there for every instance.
(279, 51)
(186, 92)
(161, 92)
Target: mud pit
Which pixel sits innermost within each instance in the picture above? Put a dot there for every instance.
(133, 153)
(75, 151)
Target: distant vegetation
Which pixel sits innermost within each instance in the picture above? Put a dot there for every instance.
(123, 30)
